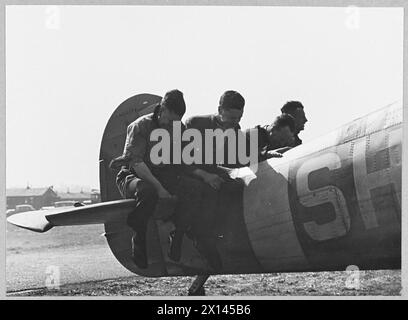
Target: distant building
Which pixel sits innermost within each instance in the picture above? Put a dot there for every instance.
(37, 197)
(86, 197)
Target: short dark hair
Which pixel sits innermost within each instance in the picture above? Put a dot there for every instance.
(232, 100)
(174, 101)
(284, 120)
(290, 107)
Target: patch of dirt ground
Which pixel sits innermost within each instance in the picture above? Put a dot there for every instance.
(341, 283)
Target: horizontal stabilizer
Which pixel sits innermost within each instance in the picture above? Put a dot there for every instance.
(43, 220)
(31, 220)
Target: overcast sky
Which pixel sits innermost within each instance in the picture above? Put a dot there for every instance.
(69, 67)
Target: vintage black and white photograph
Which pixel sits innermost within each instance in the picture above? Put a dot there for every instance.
(190, 150)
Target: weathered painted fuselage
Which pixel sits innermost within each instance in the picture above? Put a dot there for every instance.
(331, 203)
(325, 205)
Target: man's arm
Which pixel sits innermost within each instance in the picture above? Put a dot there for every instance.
(135, 149)
(143, 172)
(212, 179)
(197, 170)
(277, 153)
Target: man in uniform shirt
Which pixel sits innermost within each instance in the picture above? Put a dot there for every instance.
(275, 139)
(296, 110)
(230, 111)
(147, 182)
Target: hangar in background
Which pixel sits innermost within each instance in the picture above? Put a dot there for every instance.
(85, 197)
(47, 196)
(37, 197)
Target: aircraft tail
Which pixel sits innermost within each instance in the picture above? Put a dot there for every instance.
(44, 220)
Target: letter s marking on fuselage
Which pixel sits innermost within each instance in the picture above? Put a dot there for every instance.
(328, 194)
